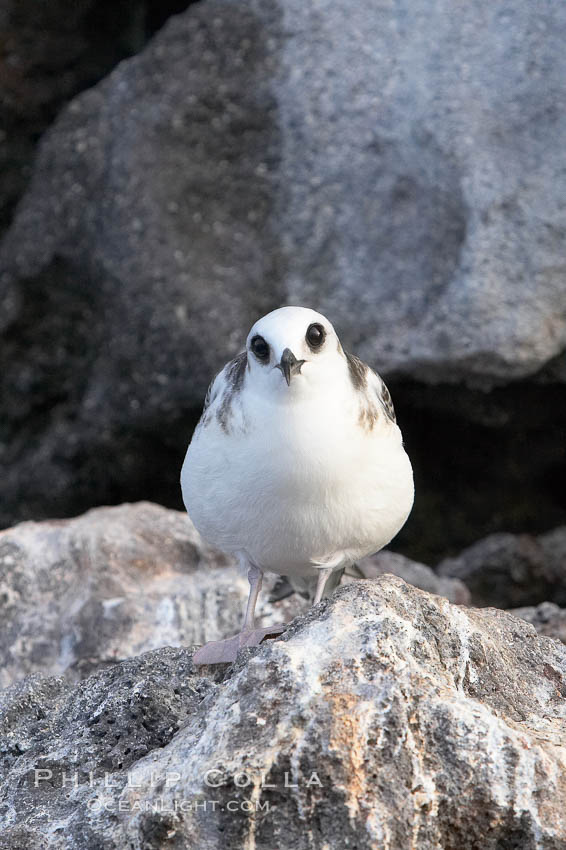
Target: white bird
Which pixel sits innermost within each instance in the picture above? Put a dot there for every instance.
(297, 465)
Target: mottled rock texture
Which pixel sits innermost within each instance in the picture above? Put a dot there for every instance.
(513, 570)
(386, 718)
(82, 593)
(398, 166)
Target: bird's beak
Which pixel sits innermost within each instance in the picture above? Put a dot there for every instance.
(289, 365)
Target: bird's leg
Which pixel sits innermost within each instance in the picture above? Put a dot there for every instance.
(255, 577)
(322, 577)
(223, 651)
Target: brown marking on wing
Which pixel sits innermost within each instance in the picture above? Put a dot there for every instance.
(235, 373)
(368, 416)
(358, 371)
(387, 402)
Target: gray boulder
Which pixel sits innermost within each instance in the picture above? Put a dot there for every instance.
(547, 618)
(419, 575)
(512, 570)
(387, 717)
(51, 51)
(80, 594)
(397, 166)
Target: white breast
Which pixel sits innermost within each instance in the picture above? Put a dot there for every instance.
(295, 485)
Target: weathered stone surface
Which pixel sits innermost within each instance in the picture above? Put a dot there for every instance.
(260, 153)
(513, 570)
(103, 727)
(547, 618)
(386, 718)
(79, 594)
(50, 51)
(419, 575)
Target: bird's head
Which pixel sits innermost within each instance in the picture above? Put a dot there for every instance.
(294, 351)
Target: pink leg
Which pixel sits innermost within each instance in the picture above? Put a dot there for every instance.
(255, 577)
(322, 577)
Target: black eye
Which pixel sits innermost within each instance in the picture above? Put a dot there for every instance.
(260, 348)
(315, 335)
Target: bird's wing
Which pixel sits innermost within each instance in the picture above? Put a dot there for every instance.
(371, 384)
(377, 384)
(222, 389)
(214, 388)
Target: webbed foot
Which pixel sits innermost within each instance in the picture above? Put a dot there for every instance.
(226, 651)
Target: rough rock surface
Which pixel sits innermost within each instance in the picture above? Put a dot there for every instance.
(513, 570)
(79, 594)
(399, 166)
(547, 618)
(49, 52)
(415, 723)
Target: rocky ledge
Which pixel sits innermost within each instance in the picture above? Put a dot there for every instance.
(386, 717)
